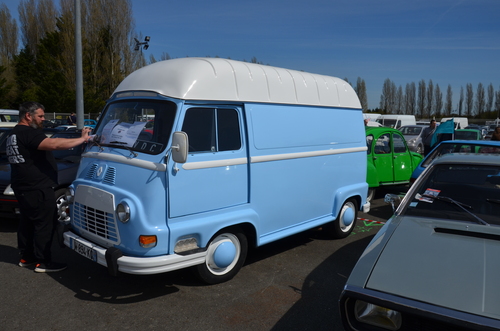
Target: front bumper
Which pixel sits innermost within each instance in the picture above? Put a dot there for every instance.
(416, 315)
(366, 207)
(135, 265)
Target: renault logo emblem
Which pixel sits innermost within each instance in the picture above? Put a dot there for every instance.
(99, 171)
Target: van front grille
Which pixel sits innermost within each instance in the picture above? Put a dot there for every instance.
(95, 222)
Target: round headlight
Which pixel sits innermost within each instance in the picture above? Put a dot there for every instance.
(123, 212)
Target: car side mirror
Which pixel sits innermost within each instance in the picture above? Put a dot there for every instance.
(180, 147)
(393, 199)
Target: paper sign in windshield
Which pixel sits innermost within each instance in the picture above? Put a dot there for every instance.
(123, 133)
(429, 195)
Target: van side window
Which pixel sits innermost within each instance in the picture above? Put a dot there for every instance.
(212, 130)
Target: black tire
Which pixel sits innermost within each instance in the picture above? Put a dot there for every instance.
(346, 220)
(211, 273)
(62, 205)
(371, 194)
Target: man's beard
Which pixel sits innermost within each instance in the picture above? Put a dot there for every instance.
(36, 126)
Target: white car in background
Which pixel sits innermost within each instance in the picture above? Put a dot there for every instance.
(9, 117)
(413, 137)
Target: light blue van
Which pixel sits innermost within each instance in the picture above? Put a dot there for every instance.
(196, 160)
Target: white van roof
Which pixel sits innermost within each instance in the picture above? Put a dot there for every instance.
(229, 80)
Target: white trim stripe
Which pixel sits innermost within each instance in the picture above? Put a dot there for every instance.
(213, 164)
(127, 160)
(267, 158)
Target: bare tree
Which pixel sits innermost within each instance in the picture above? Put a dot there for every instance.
(491, 96)
(480, 103)
(8, 49)
(399, 101)
(361, 91)
(430, 99)
(410, 98)
(387, 97)
(461, 101)
(448, 106)
(469, 100)
(108, 42)
(163, 57)
(37, 18)
(421, 99)
(8, 36)
(497, 103)
(438, 101)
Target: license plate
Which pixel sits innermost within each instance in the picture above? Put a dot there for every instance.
(84, 250)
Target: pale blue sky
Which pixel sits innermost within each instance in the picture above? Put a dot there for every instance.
(448, 41)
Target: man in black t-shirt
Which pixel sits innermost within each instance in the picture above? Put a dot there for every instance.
(33, 178)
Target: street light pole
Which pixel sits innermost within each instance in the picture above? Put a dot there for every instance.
(78, 69)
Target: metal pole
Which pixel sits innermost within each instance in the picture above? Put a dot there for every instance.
(78, 62)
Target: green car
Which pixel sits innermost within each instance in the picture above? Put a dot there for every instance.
(390, 161)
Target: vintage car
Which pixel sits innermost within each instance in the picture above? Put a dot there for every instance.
(434, 265)
(456, 146)
(390, 161)
(67, 166)
(468, 134)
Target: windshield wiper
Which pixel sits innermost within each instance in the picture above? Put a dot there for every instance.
(127, 147)
(493, 201)
(462, 206)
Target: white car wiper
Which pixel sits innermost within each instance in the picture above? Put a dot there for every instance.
(462, 206)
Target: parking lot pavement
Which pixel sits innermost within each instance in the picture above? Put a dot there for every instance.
(292, 284)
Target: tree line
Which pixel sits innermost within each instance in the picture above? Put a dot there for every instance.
(44, 68)
(427, 101)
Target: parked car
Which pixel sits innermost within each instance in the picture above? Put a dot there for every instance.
(66, 127)
(90, 123)
(390, 161)
(9, 117)
(456, 146)
(468, 134)
(413, 136)
(67, 166)
(434, 264)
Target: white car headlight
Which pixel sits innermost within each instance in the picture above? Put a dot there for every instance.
(377, 316)
(8, 190)
(123, 212)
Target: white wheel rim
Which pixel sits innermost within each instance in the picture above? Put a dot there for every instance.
(347, 208)
(223, 238)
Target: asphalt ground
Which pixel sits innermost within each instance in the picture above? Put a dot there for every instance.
(292, 284)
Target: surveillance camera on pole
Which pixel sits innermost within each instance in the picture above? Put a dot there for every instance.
(142, 45)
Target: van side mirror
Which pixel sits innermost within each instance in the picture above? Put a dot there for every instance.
(180, 147)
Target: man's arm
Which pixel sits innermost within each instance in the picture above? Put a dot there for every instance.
(52, 144)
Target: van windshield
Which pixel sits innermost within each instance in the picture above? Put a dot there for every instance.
(139, 125)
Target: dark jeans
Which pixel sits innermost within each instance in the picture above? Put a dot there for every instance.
(37, 224)
(427, 149)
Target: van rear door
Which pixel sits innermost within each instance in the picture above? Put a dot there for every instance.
(215, 175)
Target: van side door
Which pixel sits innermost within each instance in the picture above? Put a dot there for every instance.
(215, 175)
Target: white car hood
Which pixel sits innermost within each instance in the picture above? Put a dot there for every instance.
(451, 270)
